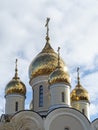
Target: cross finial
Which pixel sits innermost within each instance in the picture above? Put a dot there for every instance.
(58, 56)
(78, 77)
(47, 25)
(16, 70)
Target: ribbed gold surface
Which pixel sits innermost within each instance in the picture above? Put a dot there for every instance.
(79, 93)
(15, 86)
(59, 75)
(44, 63)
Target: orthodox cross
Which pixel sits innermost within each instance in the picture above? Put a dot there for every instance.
(78, 77)
(47, 25)
(16, 74)
(58, 56)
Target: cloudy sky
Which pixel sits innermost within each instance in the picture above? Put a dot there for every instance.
(73, 27)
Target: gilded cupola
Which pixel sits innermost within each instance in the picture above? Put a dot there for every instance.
(46, 61)
(79, 93)
(59, 74)
(15, 86)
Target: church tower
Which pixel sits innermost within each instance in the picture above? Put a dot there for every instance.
(59, 81)
(80, 98)
(15, 94)
(40, 69)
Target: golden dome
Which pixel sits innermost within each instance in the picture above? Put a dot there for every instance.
(59, 75)
(44, 63)
(15, 86)
(79, 93)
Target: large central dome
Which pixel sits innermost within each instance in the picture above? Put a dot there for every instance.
(45, 62)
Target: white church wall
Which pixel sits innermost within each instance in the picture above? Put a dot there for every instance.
(95, 124)
(36, 83)
(27, 120)
(82, 105)
(66, 118)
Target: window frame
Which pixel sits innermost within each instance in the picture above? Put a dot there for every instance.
(41, 96)
(63, 96)
(83, 111)
(16, 106)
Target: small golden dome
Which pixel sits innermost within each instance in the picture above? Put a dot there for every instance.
(79, 93)
(59, 75)
(15, 86)
(44, 63)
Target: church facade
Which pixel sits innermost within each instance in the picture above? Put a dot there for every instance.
(53, 106)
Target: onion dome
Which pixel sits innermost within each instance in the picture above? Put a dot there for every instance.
(79, 93)
(15, 86)
(46, 61)
(59, 74)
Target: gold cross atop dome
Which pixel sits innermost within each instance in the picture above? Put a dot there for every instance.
(47, 26)
(15, 86)
(58, 57)
(78, 77)
(47, 48)
(16, 70)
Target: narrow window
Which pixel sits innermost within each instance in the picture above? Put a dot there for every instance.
(41, 96)
(83, 111)
(66, 129)
(63, 97)
(16, 106)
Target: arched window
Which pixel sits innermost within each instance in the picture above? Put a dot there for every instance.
(83, 111)
(63, 97)
(66, 128)
(41, 96)
(16, 106)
